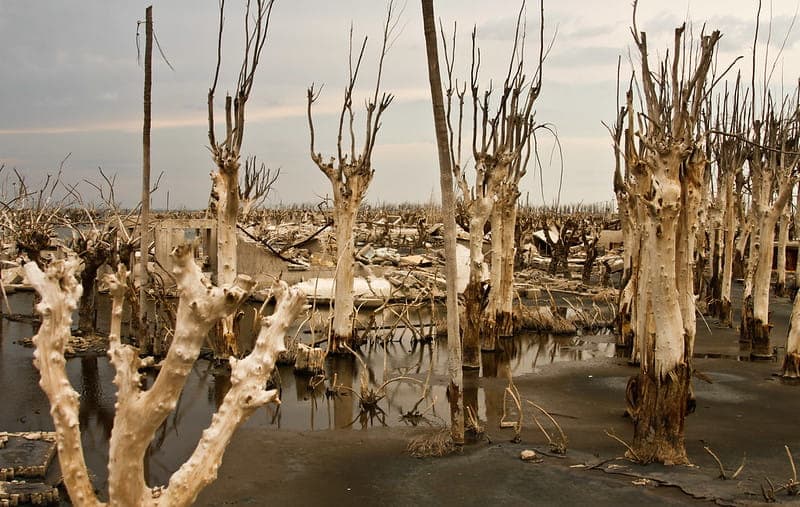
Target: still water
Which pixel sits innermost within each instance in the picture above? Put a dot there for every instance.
(308, 403)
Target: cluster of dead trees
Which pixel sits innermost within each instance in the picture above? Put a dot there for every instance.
(704, 176)
(704, 179)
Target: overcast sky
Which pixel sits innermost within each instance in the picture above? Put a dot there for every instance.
(71, 84)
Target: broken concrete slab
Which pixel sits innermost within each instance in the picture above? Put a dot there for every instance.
(26, 454)
(19, 492)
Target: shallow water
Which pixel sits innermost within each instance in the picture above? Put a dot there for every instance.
(308, 403)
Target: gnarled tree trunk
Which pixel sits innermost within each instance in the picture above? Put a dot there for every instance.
(665, 180)
(140, 413)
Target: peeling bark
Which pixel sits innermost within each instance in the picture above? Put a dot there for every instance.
(658, 410)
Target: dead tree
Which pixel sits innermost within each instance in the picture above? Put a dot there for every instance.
(666, 164)
(624, 182)
(30, 217)
(502, 133)
(100, 238)
(505, 144)
(773, 163)
(255, 185)
(144, 216)
(730, 152)
(475, 206)
(226, 153)
(589, 233)
(350, 173)
(454, 359)
(791, 362)
(139, 413)
(560, 233)
(781, 288)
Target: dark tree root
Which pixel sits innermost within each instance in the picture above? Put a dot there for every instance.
(505, 324)
(791, 365)
(725, 313)
(474, 325)
(658, 409)
(755, 332)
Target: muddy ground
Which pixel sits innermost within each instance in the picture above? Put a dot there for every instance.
(745, 412)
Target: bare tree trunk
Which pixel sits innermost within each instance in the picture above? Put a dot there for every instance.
(488, 332)
(795, 235)
(725, 312)
(87, 305)
(342, 332)
(791, 363)
(146, 343)
(475, 297)
(658, 395)
(665, 161)
(140, 413)
(755, 328)
(60, 293)
(227, 154)
(454, 389)
(350, 174)
(227, 186)
(504, 319)
(783, 238)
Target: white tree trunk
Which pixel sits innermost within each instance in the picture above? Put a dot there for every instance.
(140, 413)
(791, 363)
(662, 302)
(473, 325)
(344, 220)
(60, 293)
(783, 239)
(227, 186)
(506, 292)
(728, 252)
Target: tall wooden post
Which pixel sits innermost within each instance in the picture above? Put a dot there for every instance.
(144, 219)
(454, 391)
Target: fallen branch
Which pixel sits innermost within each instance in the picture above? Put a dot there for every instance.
(722, 474)
(630, 449)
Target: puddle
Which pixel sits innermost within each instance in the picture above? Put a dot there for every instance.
(307, 403)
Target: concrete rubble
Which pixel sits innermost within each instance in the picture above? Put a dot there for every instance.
(24, 460)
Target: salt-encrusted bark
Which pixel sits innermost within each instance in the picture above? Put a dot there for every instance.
(780, 259)
(248, 378)
(140, 413)
(227, 154)
(664, 153)
(350, 173)
(60, 292)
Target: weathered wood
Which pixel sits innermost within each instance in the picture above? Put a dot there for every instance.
(658, 409)
(309, 359)
(454, 358)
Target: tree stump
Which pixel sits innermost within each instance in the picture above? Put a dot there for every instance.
(309, 359)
